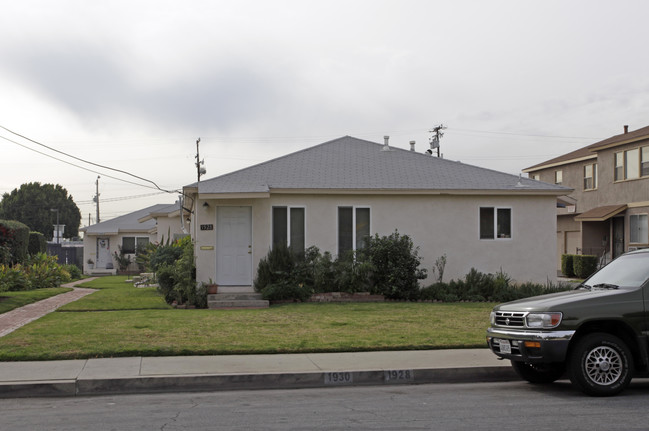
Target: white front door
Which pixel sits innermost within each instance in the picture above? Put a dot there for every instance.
(103, 253)
(234, 246)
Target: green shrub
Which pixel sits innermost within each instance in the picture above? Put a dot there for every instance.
(13, 278)
(177, 280)
(74, 271)
(584, 265)
(567, 265)
(44, 272)
(478, 286)
(286, 291)
(15, 236)
(37, 243)
(276, 267)
(395, 266)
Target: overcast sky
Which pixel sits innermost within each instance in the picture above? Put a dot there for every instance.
(132, 84)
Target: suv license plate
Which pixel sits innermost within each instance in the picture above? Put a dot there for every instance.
(505, 347)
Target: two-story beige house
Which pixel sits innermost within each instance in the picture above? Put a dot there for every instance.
(606, 214)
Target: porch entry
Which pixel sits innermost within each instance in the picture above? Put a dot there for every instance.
(234, 246)
(104, 258)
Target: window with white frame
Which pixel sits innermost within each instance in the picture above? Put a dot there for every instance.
(133, 244)
(590, 176)
(288, 227)
(638, 229)
(495, 223)
(536, 177)
(353, 228)
(632, 164)
(558, 177)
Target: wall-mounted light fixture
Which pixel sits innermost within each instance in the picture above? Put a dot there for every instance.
(206, 205)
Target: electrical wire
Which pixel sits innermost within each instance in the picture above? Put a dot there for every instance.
(76, 166)
(86, 161)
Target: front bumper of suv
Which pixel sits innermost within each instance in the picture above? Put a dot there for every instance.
(529, 345)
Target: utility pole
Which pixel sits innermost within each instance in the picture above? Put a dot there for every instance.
(96, 198)
(435, 138)
(200, 169)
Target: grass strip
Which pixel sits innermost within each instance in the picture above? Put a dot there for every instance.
(292, 328)
(12, 300)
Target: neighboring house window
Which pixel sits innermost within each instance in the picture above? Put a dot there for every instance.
(590, 177)
(288, 227)
(619, 166)
(131, 244)
(495, 223)
(631, 164)
(353, 228)
(536, 177)
(558, 177)
(638, 229)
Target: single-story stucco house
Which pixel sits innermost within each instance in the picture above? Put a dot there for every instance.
(334, 194)
(130, 231)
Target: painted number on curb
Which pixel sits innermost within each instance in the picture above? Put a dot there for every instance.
(399, 375)
(340, 378)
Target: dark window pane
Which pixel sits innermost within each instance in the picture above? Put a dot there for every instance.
(486, 223)
(297, 230)
(504, 223)
(280, 235)
(128, 245)
(141, 243)
(345, 238)
(362, 226)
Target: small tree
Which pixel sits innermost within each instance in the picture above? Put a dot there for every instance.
(123, 260)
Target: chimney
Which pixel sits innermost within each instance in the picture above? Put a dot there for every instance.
(626, 129)
(386, 145)
(412, 145)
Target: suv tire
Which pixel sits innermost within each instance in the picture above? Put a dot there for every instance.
(600, 365)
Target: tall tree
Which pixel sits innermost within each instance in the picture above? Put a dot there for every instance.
(32, 204)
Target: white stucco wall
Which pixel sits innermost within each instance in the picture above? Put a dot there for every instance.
(437, 225)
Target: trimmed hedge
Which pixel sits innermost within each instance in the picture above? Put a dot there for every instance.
(567, 265)
(578, 265)
(584, 265)
(14, 235)
(37, 243)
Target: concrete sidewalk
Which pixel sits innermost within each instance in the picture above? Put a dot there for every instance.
(244, 372)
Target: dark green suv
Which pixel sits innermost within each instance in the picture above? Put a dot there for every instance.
(598, 332)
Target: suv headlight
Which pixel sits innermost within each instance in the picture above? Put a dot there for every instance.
(492, 317)
(543, 320)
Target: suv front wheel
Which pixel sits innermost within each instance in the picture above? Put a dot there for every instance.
(600, 365)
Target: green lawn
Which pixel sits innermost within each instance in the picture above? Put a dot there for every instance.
(11, 300)
(127, 321)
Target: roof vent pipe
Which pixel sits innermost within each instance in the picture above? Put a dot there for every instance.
(386, 145)
(626, 129)
(412, 145)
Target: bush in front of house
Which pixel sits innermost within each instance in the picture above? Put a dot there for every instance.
(395, 265)
(44, 272)
(177, 280)
(584, 265)
(387, 265)
(567, 265)
(479, 287)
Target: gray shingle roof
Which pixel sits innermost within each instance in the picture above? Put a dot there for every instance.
(126, 223)
(349, 163)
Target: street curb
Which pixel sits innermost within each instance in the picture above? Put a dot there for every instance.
(233, 382)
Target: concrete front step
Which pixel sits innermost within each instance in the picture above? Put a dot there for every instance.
(236, 300)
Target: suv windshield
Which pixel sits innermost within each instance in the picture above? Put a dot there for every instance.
(630, 270)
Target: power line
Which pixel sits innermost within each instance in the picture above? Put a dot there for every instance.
(72, 164)
(88, 162)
